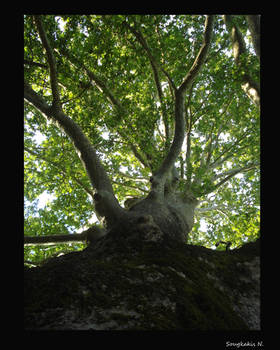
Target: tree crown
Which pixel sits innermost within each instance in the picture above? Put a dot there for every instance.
(117, 78)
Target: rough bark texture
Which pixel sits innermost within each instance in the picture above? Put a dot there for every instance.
(135, 278)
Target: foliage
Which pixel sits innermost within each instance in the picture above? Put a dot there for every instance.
(133, 135)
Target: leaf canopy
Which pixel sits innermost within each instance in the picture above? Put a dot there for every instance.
(131, 124)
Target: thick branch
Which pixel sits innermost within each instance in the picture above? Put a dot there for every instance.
(250, 87)
(81, 142)
(254, 27)
(188, 160)
(51, 61)
(97, 175)
(178, 135)
(238, 43)
(90, 235)
(201, 56)
(53, 239)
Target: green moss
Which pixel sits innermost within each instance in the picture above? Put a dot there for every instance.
(168, 286)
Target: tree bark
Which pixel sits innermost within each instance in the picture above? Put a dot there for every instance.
(142, 281)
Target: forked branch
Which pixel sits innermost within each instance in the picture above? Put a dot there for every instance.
(179, 134)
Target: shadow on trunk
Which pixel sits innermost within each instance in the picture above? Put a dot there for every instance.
(137, 278)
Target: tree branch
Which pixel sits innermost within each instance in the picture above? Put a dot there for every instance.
(115, 102)
(207, 209)
(60, 168)
(90, 235)
(250, 86)
(158, 180)
(214, 140)
(35, 99)
(155, 65)
(254, 27)
(232, 173)
(94, 78)
(130, 186)
(162, 173)
(201, 56)
(106, 203)
(155, 68)
(215, 163)
(51, 61)
(36, 64)
(53, 239)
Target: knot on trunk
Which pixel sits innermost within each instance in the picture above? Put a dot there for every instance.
(148, 229)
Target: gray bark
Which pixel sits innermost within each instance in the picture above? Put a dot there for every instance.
(173, 215)
(137, 282)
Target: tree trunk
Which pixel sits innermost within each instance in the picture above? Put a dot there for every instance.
(137, 278)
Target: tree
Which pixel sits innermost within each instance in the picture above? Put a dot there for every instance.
(145, 124)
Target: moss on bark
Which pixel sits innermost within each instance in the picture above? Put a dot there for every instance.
(122, 284)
